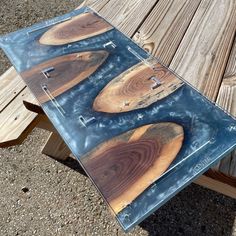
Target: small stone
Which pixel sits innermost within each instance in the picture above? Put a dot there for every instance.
(25, 189)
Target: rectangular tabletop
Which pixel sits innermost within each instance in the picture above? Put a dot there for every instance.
(140, 131)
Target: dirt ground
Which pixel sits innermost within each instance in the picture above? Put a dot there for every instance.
(40, 196)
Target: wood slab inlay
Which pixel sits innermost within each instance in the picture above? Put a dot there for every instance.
(136, 88)
(78, 28)
(126, 165)
(69, 70)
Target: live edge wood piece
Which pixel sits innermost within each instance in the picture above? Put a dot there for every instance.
(139, 87)
(79, 27)
(67, 70)
(126, 165)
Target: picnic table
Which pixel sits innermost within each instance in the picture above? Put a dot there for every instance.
(196, 39)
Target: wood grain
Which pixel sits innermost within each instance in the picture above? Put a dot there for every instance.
(10, 86)
(216, 185)
(55, 147)
(127, 15)
(96, 5)
(227, 94)
(164, 28)
(136, 88)
(69, 70)
(126, 165)
(80, 27)
(16, 122)
(227, 100)
(202, 55)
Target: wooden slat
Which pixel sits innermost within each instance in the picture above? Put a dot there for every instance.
(127, 15)
(96, 5)
(227, 99)
(202, 55)
(217, 186)
(10, 86)
(164, 28)
(227, 94)
(16, 121)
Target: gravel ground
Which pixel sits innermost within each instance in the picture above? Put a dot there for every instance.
(40, 196)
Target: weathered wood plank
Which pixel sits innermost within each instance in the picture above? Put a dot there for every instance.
(10, 86)
(96, 5)
(202, 55)
(16, 122)
(227, 100)
(227, 93)
(127, 15)
(164, 28)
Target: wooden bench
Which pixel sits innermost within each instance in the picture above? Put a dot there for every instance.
(189, 36)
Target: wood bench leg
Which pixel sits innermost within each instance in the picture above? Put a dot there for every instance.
(56, 148)
(216, 185)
